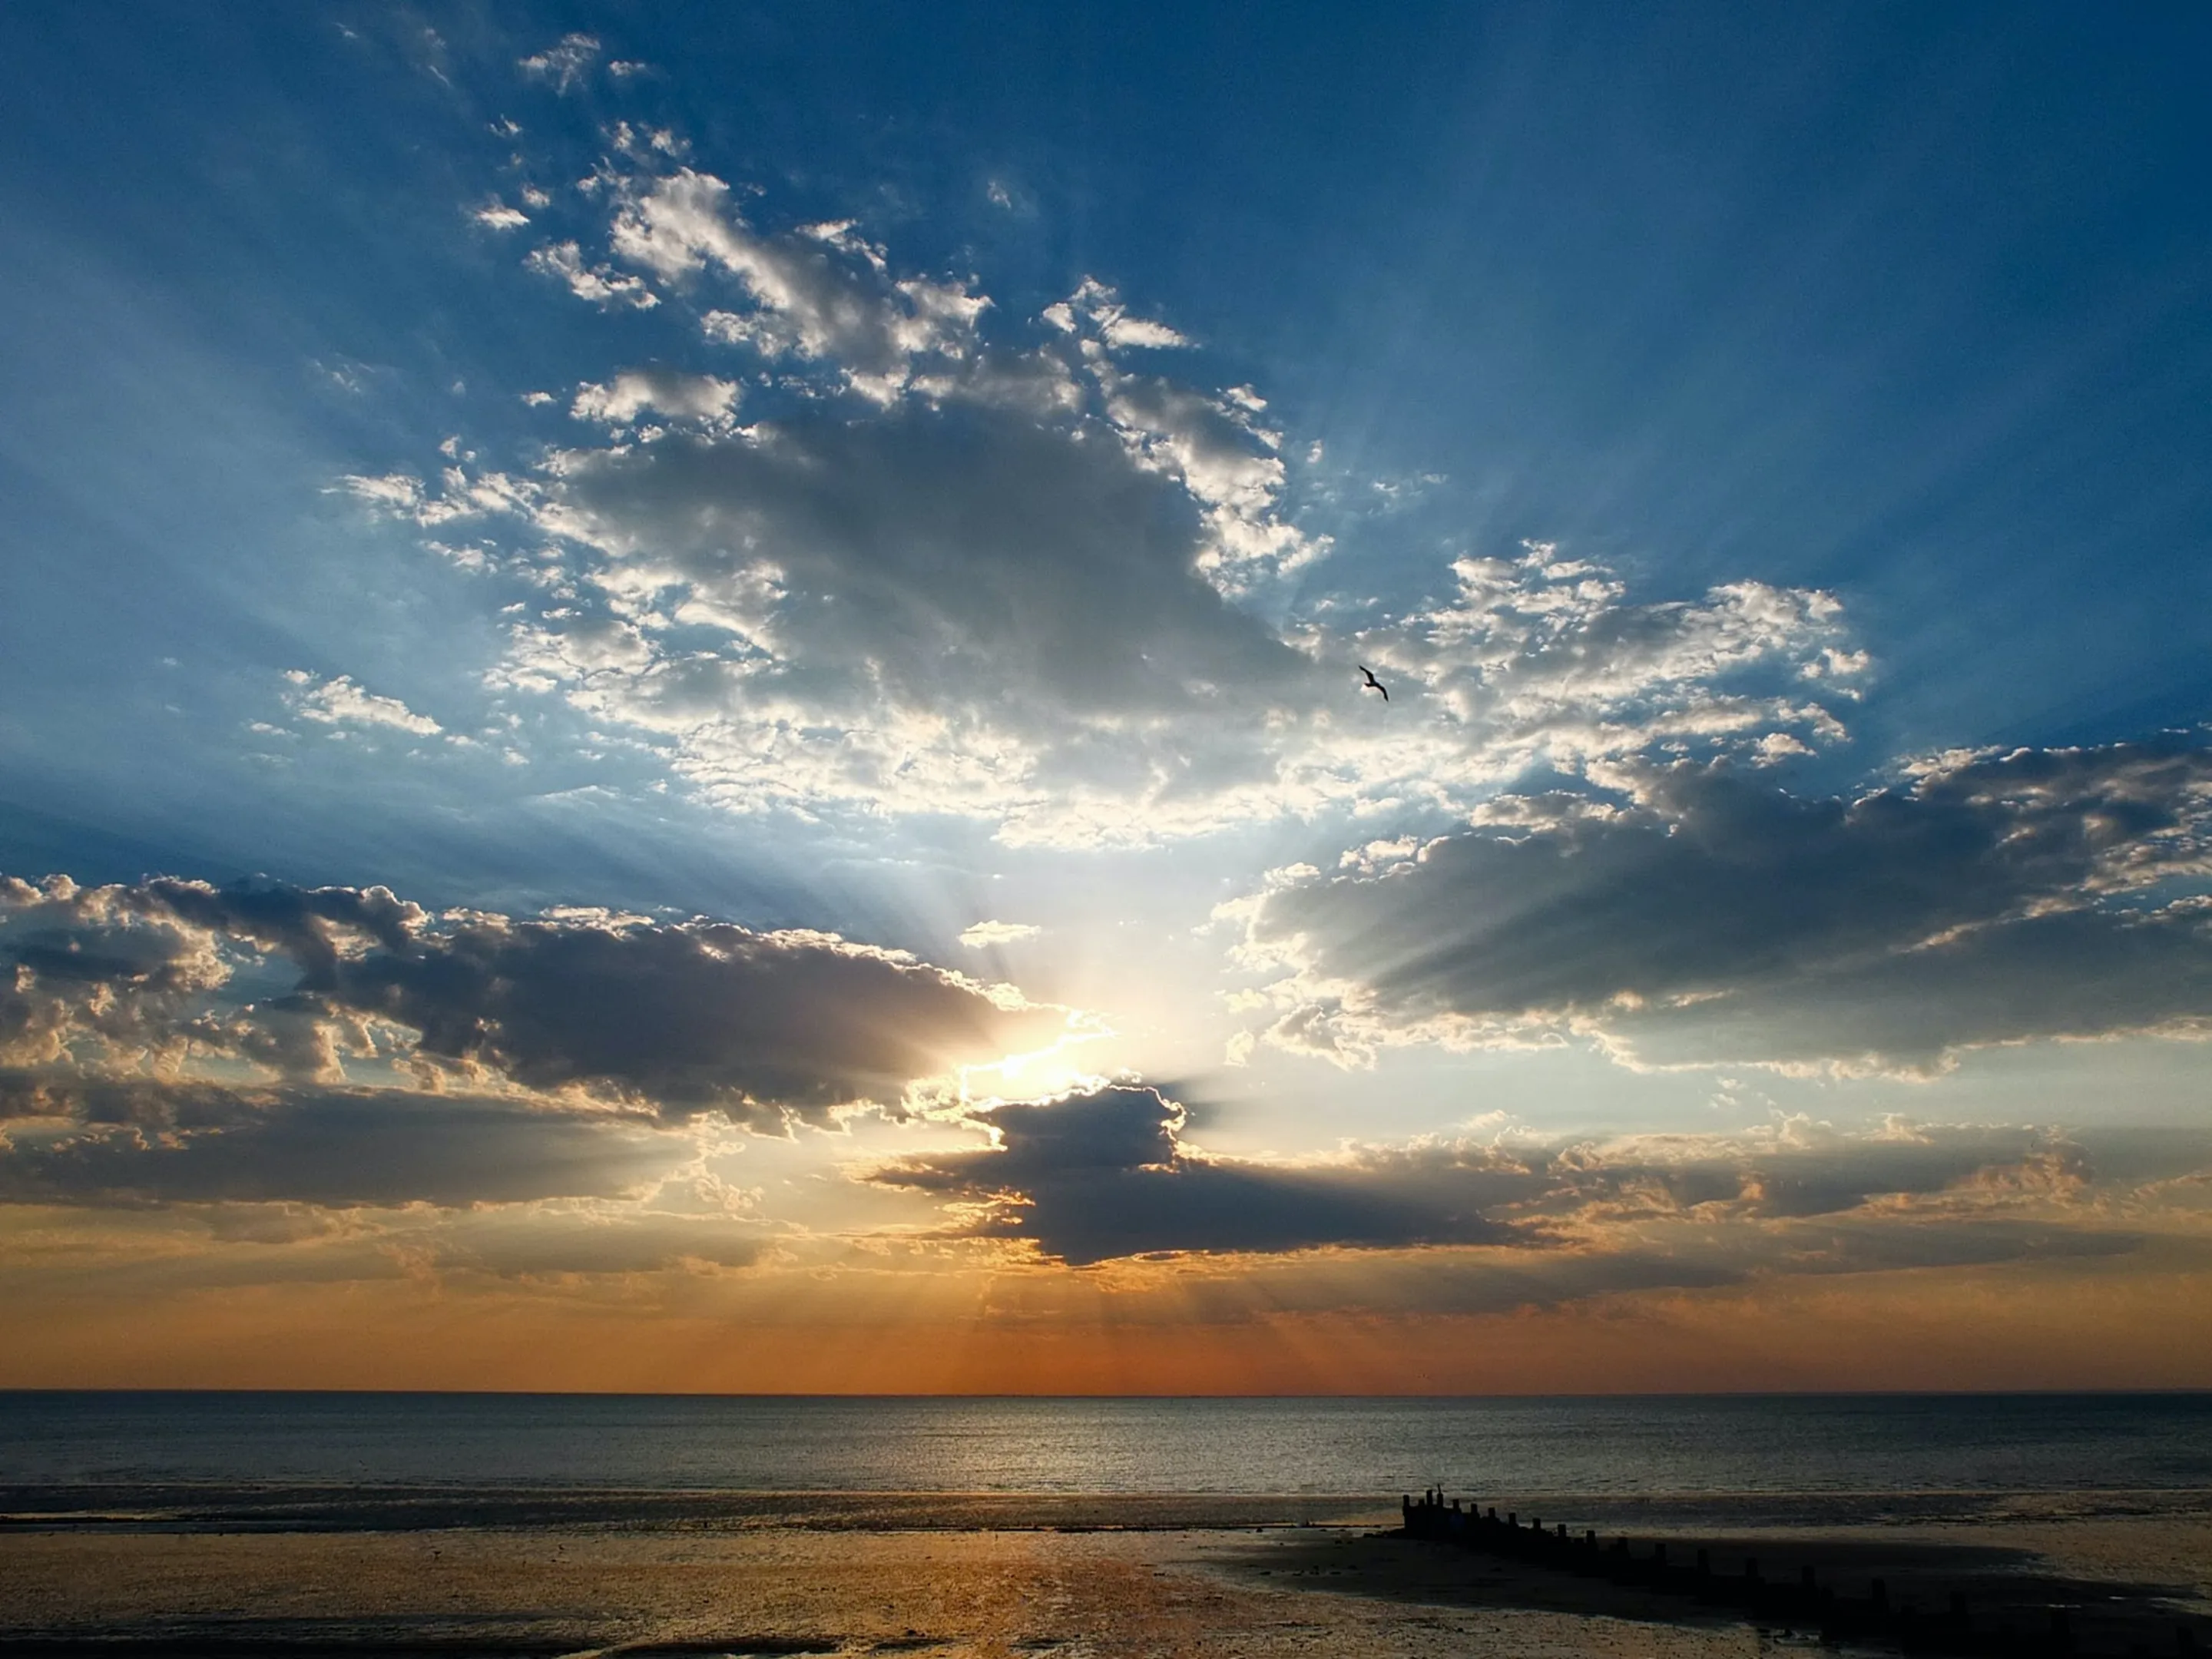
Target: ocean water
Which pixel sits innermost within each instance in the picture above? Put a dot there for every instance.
(1600, 1448)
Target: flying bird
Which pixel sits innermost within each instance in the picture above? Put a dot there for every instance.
(1373, 684)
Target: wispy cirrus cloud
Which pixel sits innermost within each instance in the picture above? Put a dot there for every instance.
(565, 63)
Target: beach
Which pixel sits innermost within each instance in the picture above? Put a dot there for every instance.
(991, 1594)
(458, 1526)
(992, 1575)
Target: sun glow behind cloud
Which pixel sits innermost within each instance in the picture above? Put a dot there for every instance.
(1124, 996)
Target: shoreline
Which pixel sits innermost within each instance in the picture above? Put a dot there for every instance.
(325, 1509)
(320, 1506)
(990, 1575)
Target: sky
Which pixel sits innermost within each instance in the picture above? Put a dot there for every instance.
(681, 699)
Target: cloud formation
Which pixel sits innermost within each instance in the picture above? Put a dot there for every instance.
(340, 702)
(1107, 1174)
(983, 934)
(563, 63)
(662, 391)
(821, 292)
(156, 1142)
(1695, 915)
(1104, 1174)
(681, 1018)
(956, 562)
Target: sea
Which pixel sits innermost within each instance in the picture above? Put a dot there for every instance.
(1886, 1446)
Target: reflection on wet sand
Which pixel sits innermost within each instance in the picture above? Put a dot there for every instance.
(947, 1576)
(992, 1594)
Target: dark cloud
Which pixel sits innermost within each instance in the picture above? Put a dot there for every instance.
(144, 1143)
(1713, 918)
(2080, 973)
(970, 554)
(934, 607)
(1799, 1170)
(1485, 1281)
(1105, 1175)
(690, 1017)
(687, 1018)
(306, 924)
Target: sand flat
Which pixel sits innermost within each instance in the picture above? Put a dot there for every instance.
(994, 1594)
(379, 1575)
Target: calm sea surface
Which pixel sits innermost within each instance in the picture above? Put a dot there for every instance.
(1619, 1447)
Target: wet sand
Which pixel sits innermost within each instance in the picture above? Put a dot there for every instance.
(2130, 1576)
(948, 1577)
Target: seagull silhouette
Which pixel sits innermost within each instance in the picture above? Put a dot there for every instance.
(1373, 684)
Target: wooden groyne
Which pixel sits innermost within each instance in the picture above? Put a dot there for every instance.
(1810, 1602)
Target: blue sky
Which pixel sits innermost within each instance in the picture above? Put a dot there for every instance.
(918, 480)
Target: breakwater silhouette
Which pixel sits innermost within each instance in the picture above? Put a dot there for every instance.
(1785, 1585)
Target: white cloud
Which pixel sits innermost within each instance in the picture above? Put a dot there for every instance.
(1006, 576)
(545, 659)
(1136, 331)
(341, 701)
(819, 292)
(1102, 306)
(395, 492)
(986, 617)
(498, 215)
(563, 63)
(665, 392)
(602, 287)
(985, 935)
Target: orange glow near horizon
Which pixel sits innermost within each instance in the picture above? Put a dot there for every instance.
(2013, 1327)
